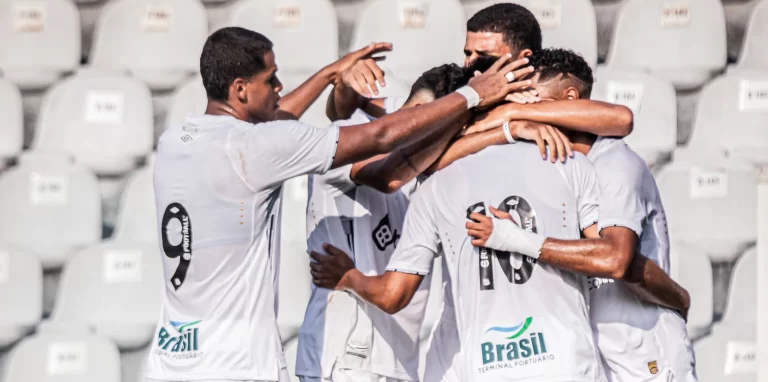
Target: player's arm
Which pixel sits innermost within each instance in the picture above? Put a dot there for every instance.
(594, 117)
(543, 135)
(407, 126)
(390, 292)
(355, 89)
(295, 103)
(649, 282)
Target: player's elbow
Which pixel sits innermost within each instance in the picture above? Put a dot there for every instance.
(616, 267)
(395, 301)
(626, 120)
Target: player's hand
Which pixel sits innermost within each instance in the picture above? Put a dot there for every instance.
(330, 270)
(524, 97)
(545, 136)
(493, 85)
(490, 120)
(481, 226)
(359, 70)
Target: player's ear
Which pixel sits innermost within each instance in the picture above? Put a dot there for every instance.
(524, 53)
(572, 93)
(240, 89)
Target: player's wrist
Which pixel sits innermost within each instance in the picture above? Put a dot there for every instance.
(471, 95)
(508, 237)
(349, 280)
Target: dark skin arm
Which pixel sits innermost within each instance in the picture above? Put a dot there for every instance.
(390, 292)
(594, 117)
(609, 254)
(404, 127)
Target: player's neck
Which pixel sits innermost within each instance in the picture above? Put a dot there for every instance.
(582, 142)
(223, 108)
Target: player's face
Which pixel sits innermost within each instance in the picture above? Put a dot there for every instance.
(479, 44)
(262, 92)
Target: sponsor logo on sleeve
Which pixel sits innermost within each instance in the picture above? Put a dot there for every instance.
(179, 342)
(518, 347)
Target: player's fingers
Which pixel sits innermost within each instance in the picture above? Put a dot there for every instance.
(558, 143)
(477, 234)
(516, 98)
(379, 47)
(501, 214)
(551, 144)
(478, 226)
(519, 73)
(370, 79)
(479, 218)
(333, 251)
(566, 141)
(542, 148)
(320, 258)
(519, 68)
(499, 63)
(363, 85)
(477, 73)
(517, 86)
(377, 72)
(478, 243)
(351, 81)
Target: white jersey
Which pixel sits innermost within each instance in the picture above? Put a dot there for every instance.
(218, 186)
(517, 320)
(367, 225)
(638, 341)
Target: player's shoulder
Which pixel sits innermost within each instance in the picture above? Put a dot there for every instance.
(616, 161)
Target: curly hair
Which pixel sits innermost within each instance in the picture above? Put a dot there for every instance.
(552, 63)
(515, 22)
(440, 81)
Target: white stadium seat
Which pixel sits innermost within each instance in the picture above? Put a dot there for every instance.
(727, 355)
(64, 356)
(753, 54)
(568, 24)
(653, 102)
(742, 296)
(21, 294)
(732, 116)
(137, 216)
(710, 205)
(103, 120)
(50, 207)
(158, 41)
(12, 125)
(681, 41)
(693, 271)
(39, 41)
(113, 287)
(295, 280)
(304, 32)
(425, 34)
(188, 99)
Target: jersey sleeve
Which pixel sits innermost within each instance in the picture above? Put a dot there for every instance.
(418, 246)
(277, 151)
(621, 203)
(588, 194)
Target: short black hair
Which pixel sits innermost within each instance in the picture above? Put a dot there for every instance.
(440, 81)
(551, 63)
(228, 54)
(515, 22)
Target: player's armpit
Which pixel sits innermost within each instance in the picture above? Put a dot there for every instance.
(649, 282)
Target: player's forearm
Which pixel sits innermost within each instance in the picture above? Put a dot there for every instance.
(594, 117)
(342, 103)
(649, 282)
(466, 146)
(379, 291)
(399, 129)
(296, 103)
(589, 257)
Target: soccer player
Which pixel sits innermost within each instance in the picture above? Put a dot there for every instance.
(638, 341)
(218, 183)
(493, 32)
(516, 320)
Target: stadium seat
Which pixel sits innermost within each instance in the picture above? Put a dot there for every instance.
(304, 32)
(50, 207)
(114, 287)
(12, 126)
(742, 295)
(710, 204)
(64, 356)
(653, 102)
(158, 41)
(569, 24)
(188, 99)
(21, 294)
(295, 280)
(693, 271)
(425, 34)
(137, 216)
(683, 42)
(731, 116)
(103, 120)
(727, 355)
(753, 54)
(39, 41)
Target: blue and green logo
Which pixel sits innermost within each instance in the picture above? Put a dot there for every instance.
(184, 340)
(521, 349)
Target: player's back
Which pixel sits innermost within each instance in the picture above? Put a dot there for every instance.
(517, 320)
(218, 185)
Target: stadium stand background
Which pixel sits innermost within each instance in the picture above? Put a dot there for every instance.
(86, 86)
